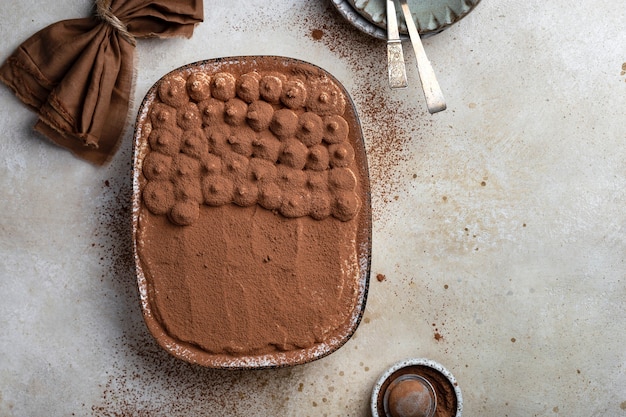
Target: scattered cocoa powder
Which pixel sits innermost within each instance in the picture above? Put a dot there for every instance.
(410, 396)
(317, 34)
(380, 277)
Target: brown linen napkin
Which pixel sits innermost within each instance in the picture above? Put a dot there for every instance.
(78, 74)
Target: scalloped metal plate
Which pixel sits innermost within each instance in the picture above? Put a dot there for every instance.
(430, 16)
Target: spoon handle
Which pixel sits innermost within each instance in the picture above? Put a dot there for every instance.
(434, 96)
(395, 57)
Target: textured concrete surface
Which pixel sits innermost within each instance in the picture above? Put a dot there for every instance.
(499, 224)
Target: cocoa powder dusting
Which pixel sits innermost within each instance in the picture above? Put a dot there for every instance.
(252, 213)
(446, 396)
(203, 287)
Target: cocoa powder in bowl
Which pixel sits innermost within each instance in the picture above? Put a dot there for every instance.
(251, 213)
(448, 395)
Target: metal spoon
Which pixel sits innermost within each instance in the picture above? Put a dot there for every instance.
(434, 96)
(395, 58)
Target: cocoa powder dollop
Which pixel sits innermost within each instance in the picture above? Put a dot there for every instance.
(283, 120)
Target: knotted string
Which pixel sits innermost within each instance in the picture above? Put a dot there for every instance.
(103, 11)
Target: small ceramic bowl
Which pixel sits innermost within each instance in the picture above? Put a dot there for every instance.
(447, 394)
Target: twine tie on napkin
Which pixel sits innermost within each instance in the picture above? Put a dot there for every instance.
(103, 11)
(78, 74)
